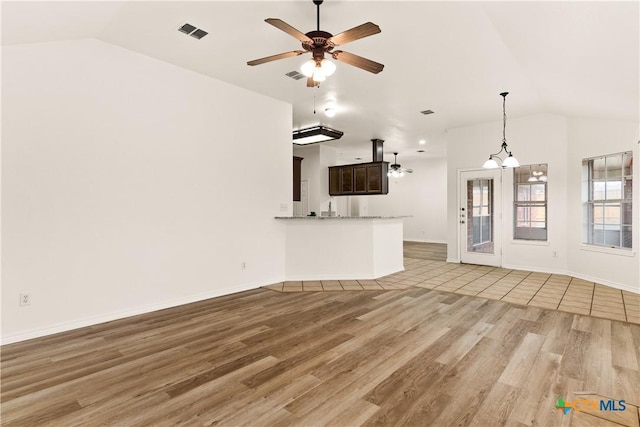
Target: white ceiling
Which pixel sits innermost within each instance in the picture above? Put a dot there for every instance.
(570, 58)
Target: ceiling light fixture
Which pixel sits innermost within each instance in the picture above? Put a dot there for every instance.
(509, 161)
(315, 134)
(330, 111)
(318, 69)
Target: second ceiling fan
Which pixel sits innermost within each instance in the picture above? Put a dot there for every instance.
(320, 42)
(395, 169)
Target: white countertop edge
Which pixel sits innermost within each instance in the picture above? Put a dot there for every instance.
(340, 217)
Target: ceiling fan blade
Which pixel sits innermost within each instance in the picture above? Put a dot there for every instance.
(276, 57)
(355, 33)
(409, 170)
(357, 61)
(281, 25)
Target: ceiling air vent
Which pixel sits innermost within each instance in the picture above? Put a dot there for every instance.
(426, 112)
(295, 75)
(194, 32)
(199, 33)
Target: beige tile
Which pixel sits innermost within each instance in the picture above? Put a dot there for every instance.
(633, 318)
(355, 287)
(275, 287)
(312, 283)
(515, 300)
(572, 309)
(609, 315)
(543, 304)
(371, 287)
(349, 282)
(367, 282)
(579, 304)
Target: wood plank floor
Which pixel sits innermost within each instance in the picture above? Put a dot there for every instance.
(415, 357)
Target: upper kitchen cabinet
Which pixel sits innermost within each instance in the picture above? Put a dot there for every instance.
(297, 177)
(359, 179)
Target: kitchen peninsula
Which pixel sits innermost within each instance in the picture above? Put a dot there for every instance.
(340, 247)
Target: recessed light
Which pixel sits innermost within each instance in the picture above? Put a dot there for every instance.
(422, 142)
(420, 151)
(425, 112)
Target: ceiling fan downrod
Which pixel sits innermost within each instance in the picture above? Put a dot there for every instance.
(318, 3)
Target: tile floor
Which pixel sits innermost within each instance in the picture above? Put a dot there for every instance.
(551, 291)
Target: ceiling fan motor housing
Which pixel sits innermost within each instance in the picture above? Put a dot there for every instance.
(319, 40)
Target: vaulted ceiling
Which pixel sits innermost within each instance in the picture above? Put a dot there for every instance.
(570, 58)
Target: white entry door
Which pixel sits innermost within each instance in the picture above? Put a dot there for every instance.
(480, 217)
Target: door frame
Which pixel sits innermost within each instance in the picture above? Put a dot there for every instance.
(495, 259)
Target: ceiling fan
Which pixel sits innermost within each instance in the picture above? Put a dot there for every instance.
(395, 169)
(320, 42)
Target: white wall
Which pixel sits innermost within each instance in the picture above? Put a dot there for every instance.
(421, 194)
(114, 199)
(561, 143)
(590, 138)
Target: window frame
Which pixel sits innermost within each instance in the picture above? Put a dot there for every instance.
(529, 233)
(598, 199)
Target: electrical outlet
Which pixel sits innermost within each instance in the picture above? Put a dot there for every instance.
(243, 265)
(555, 254)
(25, 299)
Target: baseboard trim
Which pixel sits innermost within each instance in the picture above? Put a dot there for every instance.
(116, 315)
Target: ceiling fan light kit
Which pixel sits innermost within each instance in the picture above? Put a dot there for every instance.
(509, 161)
(315, 134)
(395, 169)
(320, 42)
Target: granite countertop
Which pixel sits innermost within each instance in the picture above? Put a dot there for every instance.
(342, 217)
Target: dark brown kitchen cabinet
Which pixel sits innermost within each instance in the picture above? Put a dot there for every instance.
(346, 184)
(374, 178)
(297, 177)
(359, 179)
(335, 180)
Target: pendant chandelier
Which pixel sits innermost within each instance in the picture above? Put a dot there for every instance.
(509, 161)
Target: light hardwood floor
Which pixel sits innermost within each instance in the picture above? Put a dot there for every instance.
(402, 354)
(414, 357)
